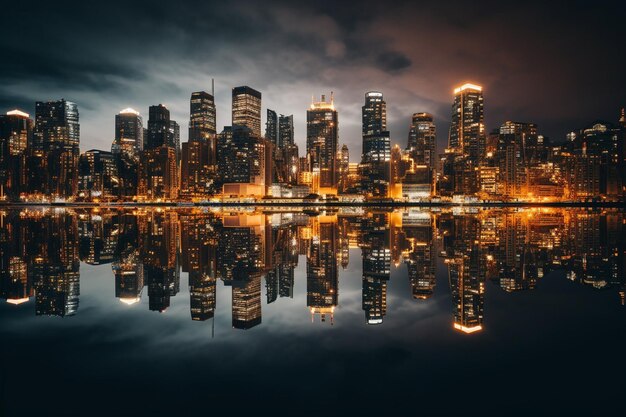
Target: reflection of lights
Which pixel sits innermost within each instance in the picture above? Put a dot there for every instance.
(129, 300)
(17, 301)
(466, 329)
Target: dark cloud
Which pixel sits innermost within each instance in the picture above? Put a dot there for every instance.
(558, 64)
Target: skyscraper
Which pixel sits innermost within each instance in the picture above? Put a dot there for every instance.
(202, 117)
(375, 166)
(271, 127)
(322, 140)
(128, 132)
(16, 130)
(57, 136)
(158, 128)
(467, 132)
(422, 145)
(247, 109)
(376, 143)
(285, 131)
(199, 158)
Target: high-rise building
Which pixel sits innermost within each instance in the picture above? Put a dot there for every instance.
(244, 163)
(128, 132)
(467, 132)
(159, 125)
(285, 131)
(422, 145)
(57, 138)
(376, 143)
(202, 118)
(16, 128)
(97, 175)
(271, 127)
(247, 109)
(513, 156)
(158, 174)
(322, 141)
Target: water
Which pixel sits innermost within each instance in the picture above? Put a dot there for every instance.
(349, 312)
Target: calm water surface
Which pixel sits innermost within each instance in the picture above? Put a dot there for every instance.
(349, 312)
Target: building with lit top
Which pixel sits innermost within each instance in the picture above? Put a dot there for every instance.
(322, 141)
(246, 109)
(128, 132)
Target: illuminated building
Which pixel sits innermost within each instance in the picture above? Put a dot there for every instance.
(57, 136)
(16, 130)
(202, 116)
(161, 132)
(376, 155)
(97, 176)
(422, 145)
(246, 109)
(15, 285)
(322, 140)
(344, 169)
(158, 174)
(417, 229)
(515, 140)
(271, 127)
(247, 303)
(467, 132)
(244, 162)
(97, 239)
(285, 131)
(128, 132)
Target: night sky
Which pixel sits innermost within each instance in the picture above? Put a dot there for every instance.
(560, 65)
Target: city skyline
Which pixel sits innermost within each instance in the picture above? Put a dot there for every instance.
(526, 73)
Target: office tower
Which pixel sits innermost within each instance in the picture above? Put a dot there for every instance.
(246, 301)
(467, 132)
(593, 161)
(57, 138)
(16, 130)
(174, 135)
(247, 109)
(376, 143)
(97, 176)
(128, 132)
(513, 157)
(202, 117)
(376, 156)
(322, 140)
(159, 133)
(244, 163)
(322, 270)
(343, 164)
(271, 127)
(199, 158)
(158, 174)
(422, 145)
(285, 131)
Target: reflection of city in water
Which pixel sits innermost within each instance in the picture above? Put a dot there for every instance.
(41, 251)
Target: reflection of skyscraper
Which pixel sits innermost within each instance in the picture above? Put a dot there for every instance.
(128, 272)
(376, 266)
(97, 239)
(159, 252)
(417, 228)
(247, 302)
(322, 270)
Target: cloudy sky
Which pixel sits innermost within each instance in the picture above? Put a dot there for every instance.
(560, 65)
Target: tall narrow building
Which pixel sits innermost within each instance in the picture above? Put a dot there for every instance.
(376, 146)
(128, 132)
(202, 116)
(158, 128)
(246, 109)
(16, 129)
(422, 144)
(57, 135)
(322, 141)
(271, 127)
(467, 132)
(285, 131)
